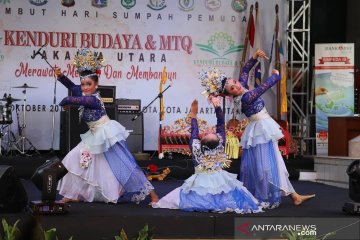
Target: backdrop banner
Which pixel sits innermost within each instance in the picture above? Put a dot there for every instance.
(137, 40)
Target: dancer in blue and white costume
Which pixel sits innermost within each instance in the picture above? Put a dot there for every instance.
(263, 169)
(211, 188)
(101, 167)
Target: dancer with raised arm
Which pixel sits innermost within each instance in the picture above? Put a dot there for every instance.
(101, 167)
(263, 170)
(210, 188)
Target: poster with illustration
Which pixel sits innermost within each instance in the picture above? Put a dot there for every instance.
(334, 87)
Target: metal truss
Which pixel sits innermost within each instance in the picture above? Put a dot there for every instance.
(300, 110)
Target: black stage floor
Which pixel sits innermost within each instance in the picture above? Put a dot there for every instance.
(100, 221)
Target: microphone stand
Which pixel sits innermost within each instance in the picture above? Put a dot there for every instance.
(54, 99)
(160, 95)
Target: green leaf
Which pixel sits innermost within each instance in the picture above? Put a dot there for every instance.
(289, 235)
(144, 234)
(11, 232)
(122, 235)
(50, 234)
(328, 235)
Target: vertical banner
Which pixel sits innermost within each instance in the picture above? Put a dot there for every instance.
(334, 87)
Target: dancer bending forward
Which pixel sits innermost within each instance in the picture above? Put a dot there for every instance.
(211, 188)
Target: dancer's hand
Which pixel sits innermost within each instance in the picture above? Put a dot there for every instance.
(57, 72)
(275, 71)
(215, 101)
(260, 53)
(194, 109)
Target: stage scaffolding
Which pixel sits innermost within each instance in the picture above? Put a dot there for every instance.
(301, 115)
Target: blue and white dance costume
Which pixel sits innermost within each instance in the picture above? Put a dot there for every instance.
(263, 170)
(101, 168)
(210, 188)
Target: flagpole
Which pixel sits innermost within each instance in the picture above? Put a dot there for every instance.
(277, 62)
(257, 71)
(162, 111)
(160, 129)
(256, 11)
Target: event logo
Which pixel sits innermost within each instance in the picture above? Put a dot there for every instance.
(99, 3)
(212, 5)
(244, 228)
(128, 3)
(186, 5)
(239, 5)
(323, 135)
(157, 4)
(4, 1)
(68, 3)
(38, 2)
(221, 45)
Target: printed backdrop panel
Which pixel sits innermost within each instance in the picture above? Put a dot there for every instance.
(137, 39)
(334, 87)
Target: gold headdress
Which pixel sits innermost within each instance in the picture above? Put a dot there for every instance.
(213, 81)
(86, 60)
(209, 160)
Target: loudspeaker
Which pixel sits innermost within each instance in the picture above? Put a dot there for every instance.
(135, 140)
(353, 171)
(127, 110)
(136, 126)
(13, 197)
(135, 143)
(46, 177)
(107, 93)
(70, 128)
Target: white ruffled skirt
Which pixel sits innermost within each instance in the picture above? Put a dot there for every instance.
(101, 168)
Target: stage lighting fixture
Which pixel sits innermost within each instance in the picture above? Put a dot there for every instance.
(353, 171)
(45, 179)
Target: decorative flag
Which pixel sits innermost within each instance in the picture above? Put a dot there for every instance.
(278, 61)
(247, 39)
(283, 105)
(275, 61)
(254, 39)
(252, 31)
(252, 49)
